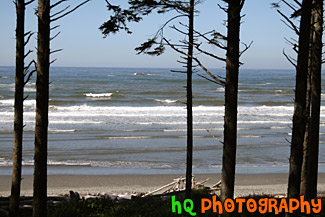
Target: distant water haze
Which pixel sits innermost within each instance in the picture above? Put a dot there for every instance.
(133, 121)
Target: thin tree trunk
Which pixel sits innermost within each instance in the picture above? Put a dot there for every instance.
(306, 149)
(18, 117)
(189, 103)
(231, 95)
(316, 58)
(299, 116)
(42, 97)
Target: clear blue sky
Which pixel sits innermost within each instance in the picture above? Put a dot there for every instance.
(84, 45)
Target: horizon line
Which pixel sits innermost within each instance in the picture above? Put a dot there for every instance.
(150, 67)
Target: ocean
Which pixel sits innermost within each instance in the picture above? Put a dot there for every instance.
(133, 121)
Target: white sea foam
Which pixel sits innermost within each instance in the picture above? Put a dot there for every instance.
(7, 102)
(61, 131)
(118, 164)
(78, 117)
(128, 137)
(220, 89)
(76, 122)
(278, 128)
(11, 102)
(249, 136)
(98, 95)
(29, 89)
(195, 129)
(168, 101)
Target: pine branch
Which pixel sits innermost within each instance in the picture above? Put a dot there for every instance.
(55, 51)
(213, 41)
(58, 3)
(197, 61)
(223, 8)
(206, 78)
(30, 34)
(289, 5)
(57, 26)
(178, 30)
(28, 52)
(290, 59)
(53, 61)
(246, 48)
(210, 54)
(292, 25)
(61, 11)
(179, 71)
(65, 14)
(29, 74)
(294, 45)
(57, 34)
(29, 2)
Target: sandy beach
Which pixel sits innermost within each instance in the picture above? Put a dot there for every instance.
(246, 184)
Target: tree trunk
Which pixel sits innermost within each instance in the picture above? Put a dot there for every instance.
(316, 66)
(306, 149)
(42, 98)
(18, 117)
(189, 103)
(299, 116)
(231, 95)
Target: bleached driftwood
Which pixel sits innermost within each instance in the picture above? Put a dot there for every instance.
(176, 181)
(179, 185)
(216, 186)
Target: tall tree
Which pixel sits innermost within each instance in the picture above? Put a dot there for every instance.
(306, 150)
(19, 99)
(21, 73)
(156, 46)
(42, 102)
(42, 99)
(231, 98)
(185, 8)
(299, 116)
(316, 66)
(308, 181)
(189, 103)
(18, 117)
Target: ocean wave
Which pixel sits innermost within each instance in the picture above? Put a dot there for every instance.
(29, 89)
(76, 163)
(142, 73)
(167, 101)
(76, 122)
(61, 131)
(220, 89)
(278, 128)
(11, 102)
(98, 95)
(248, 136)
(195, 129)
(245, 113)
(7, 102)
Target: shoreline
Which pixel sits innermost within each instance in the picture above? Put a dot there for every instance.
(246, 184)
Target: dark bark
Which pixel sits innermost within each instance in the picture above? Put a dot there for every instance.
(18, 108)
(189, 104)
(299, 116)
(231, 95)
(316, 66)
(42, 98)
(306, 149)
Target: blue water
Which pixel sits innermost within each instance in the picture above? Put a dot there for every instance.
(133, 121)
